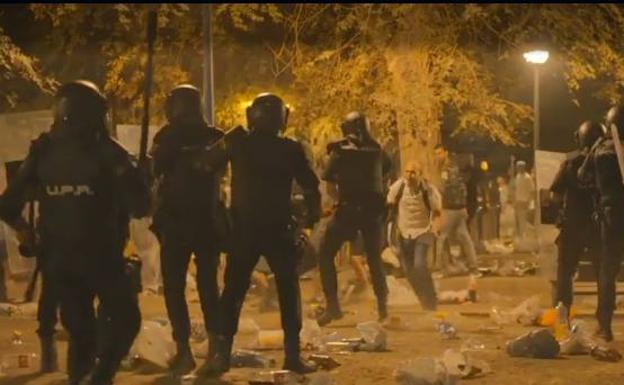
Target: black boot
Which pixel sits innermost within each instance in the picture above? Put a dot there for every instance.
(604, 333)
(331, 313)
(218, 361)
(382, 309)
(183, 362)
(49, 357)
(293, 361)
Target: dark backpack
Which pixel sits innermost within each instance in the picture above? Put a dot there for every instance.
(454, 191)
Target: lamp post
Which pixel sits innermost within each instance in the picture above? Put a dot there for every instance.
(536, 59)
(208, 70)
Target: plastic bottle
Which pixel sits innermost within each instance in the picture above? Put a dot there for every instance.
(562, 323)
(472, 289)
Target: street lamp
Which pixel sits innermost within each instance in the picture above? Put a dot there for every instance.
(536, 58)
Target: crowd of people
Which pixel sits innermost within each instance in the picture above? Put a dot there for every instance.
(89, 188)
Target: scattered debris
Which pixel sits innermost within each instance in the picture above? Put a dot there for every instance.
(270, 339)
(527, 313)
(421, 371)
(605, 353)
(274, 377)
(242, 358)
(311, 335)
(198, 330)
(323, 362)
(398, 294)
(374, 336)
(535, 344)
(461, 365)
(154, 343)
(472, 344)
(448, 297)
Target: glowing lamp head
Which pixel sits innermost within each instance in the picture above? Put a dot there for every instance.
(536, 57)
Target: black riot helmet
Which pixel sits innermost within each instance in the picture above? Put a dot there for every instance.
(615, 117)
(267, 113)
(184, 104)
(356, 125)
(587, 134)
(80, 109)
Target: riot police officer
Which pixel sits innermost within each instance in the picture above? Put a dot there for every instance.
(184, 221)
(574, 200)
(603, 165)
(87, 188)
(264, 165)
(357, 168)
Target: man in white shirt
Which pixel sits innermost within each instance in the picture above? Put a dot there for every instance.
(418, 204)
(524, 190)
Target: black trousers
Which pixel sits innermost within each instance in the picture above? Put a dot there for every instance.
(611, 229)
(276, 244)
(49, 303)
(176, 249)
(343, 226)
(110, 285)
(574, 242)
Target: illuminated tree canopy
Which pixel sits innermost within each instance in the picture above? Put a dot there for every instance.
(403, 64)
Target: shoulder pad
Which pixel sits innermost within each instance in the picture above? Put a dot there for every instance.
(165, 132)
(236, 133)
(40, 143)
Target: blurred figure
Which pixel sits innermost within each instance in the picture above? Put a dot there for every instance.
(524, 192)
(579, 229)
(418, 206)
(87, 188)
(604, 167)
(454, 214)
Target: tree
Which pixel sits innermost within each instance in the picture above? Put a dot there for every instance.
(18, 70)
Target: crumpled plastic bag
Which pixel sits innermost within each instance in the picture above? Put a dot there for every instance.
(527, 313)
(580, 340)
(154, 343)
(461, 365)
(311, 335)
(374, 336)
(452, 296)
(423, 371)
(398, 294)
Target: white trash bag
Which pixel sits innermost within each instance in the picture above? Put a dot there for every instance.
(154, 343)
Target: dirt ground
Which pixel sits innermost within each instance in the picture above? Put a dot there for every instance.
(419, 340)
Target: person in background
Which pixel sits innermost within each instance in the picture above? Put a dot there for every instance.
(418, 205)
(524, 192)
(454, 214)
